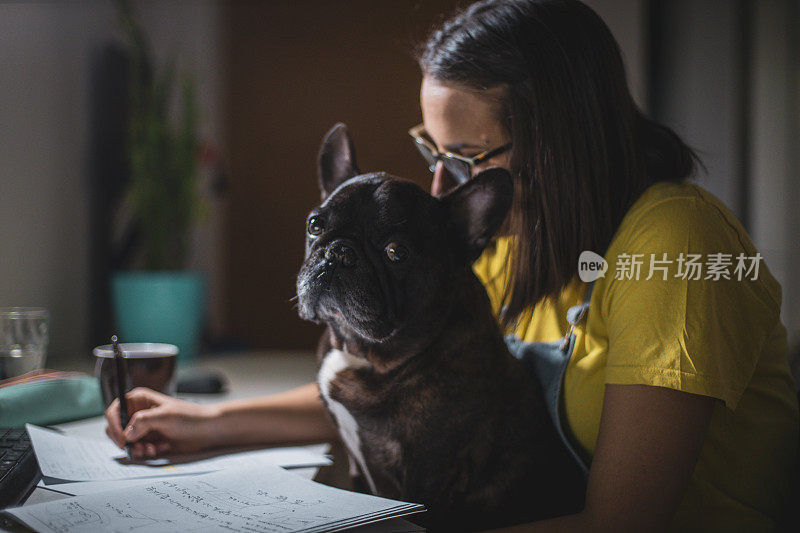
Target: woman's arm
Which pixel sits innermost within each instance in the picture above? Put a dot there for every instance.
(296, 415)
(161, 424)
(647, 447)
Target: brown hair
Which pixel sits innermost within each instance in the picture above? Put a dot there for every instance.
(582, 153)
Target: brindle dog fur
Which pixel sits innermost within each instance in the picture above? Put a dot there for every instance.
(414, 370)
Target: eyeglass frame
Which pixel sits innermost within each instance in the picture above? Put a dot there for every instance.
(416, 134)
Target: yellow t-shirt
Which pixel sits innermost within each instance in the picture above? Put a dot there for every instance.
(721, 338)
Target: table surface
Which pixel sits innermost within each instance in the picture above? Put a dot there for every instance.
(248, 374)
(252, 373)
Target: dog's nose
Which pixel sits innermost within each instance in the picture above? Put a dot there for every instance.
(340, 252)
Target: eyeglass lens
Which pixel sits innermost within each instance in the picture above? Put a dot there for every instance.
(459, 170)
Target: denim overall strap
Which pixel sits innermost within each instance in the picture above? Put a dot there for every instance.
(548, 361)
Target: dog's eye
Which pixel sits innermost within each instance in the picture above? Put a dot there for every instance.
(315, 226)
(396, 252)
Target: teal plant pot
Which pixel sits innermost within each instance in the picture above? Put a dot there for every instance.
(168, 307)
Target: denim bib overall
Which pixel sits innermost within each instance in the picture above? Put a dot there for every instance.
(548, 361)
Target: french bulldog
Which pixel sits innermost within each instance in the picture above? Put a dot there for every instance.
(414, 371)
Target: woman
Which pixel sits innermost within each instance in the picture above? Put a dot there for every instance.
(678, 389)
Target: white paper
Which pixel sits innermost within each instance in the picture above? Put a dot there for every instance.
(74, 459)
(261, 497)
(80, 488)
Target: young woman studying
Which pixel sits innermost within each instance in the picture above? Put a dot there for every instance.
(677, 393)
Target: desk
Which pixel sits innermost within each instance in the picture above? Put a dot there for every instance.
(249, 374)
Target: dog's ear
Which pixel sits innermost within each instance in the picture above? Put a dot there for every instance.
(336, 162)
(476, 209)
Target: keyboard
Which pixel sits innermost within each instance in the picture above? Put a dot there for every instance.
(19, 471)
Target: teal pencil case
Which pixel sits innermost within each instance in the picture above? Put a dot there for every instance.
(50, 401)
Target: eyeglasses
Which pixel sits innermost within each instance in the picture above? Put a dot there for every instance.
(459, 166)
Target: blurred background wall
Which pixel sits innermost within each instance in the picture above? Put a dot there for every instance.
(274, 76)
(48, 51)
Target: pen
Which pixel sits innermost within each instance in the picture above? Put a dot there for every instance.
(119, 364)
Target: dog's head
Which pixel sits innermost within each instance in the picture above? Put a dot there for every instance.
(381, 253)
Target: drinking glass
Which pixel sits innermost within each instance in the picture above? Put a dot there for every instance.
(23, 340)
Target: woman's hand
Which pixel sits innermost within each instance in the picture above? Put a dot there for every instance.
(160, 424)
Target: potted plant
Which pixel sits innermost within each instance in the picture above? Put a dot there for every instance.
(159, 300)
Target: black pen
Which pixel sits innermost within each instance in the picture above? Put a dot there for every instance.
(119, 364)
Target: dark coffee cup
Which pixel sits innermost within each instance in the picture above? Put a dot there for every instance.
(147, 364)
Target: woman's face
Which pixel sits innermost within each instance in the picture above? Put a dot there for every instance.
(462, 122)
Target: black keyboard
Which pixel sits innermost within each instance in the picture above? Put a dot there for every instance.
(19, 471)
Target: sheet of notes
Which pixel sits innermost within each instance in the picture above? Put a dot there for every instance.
(261, 497)
(74, 459)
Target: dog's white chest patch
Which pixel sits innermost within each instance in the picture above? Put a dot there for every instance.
(334, 362)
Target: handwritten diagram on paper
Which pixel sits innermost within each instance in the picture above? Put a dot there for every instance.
(72, 516)
(71, 458)
(260, 498)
